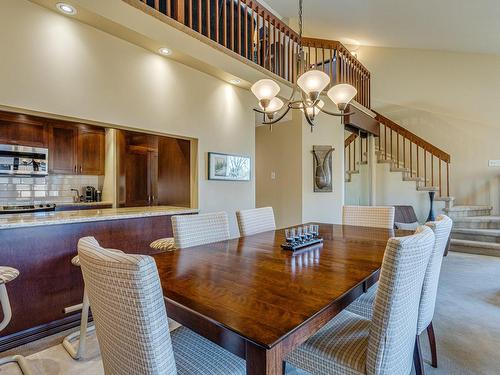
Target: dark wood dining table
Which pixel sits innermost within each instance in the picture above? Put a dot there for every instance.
(260, 302)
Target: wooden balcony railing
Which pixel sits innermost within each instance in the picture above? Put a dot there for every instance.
(422, 159)
(252, 31)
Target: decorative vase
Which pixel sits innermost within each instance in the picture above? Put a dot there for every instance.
(431, 216)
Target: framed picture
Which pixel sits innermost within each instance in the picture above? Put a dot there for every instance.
(228, 167)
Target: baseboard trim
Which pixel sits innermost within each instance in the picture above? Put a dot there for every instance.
(32, 334)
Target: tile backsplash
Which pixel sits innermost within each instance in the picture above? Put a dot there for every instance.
(48, 189)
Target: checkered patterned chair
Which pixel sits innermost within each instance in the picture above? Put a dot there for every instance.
(363, 305)
(7, 274)
(255, 220)
(195, 230)
(354, 345)
(131, 320)
(368, 216)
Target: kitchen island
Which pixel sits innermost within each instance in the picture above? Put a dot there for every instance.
(41, 247)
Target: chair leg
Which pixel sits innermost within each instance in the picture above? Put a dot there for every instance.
(432, 343)
(20, 361)
(82, 334)
(417, 358)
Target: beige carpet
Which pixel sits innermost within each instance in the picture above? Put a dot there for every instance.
(467, 326)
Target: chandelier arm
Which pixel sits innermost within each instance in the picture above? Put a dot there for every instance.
(277, 119)
(308, 119)
(338, 114)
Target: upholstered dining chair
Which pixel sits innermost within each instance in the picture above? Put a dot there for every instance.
(194, 230)
(368, 216)
(364, 304)
(255, 220)
(352, 344)
(131, 320)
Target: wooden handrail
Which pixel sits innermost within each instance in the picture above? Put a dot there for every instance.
(350, 139)
(422, 143)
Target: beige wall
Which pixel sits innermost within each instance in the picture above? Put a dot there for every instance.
(288, 152)
(278, 152)
(53, 64)
(451, 100)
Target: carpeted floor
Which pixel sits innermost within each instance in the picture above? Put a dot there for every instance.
(467, 326)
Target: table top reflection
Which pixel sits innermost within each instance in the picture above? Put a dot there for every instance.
(254, 288)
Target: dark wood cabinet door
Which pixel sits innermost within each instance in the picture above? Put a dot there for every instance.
(62, 149)
(137, 178)
(174, 172)
(23, 130)
(91, 151)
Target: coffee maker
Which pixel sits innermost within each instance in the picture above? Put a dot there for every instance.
(89, 194)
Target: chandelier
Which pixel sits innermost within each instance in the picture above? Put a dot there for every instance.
(310, 84)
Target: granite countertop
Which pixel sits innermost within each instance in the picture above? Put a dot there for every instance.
(67, 217)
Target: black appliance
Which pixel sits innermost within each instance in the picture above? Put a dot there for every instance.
(30, 208)
(90, 195)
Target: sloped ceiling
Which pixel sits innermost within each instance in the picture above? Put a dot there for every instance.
(450, 25)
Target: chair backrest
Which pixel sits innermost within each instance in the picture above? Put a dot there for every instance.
(255, 220)
(128, 309)
(369, 216)
(404, 214)
(395, 310)
(442, 229)
(194, 230)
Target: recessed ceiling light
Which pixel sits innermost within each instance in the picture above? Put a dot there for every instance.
(66, 8)
(165, 51)
(235, 81)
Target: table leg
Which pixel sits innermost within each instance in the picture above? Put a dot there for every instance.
(262, 361)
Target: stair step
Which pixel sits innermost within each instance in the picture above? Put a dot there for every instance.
(468, 211)
(477, 222)
(383, 161)
(428, 188)
(352, 172)
(361, 162)
(481, 235)
(475, 247)
(445, 199)
(396, 169)
(414, 178)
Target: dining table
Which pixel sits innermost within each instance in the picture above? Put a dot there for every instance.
(260, 301)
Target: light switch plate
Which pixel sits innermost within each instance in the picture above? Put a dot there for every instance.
(494, 163)
(273, 175)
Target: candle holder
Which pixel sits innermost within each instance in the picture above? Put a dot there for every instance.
(301, 237)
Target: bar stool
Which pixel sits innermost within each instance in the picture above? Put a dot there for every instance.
(84, 328)
(163, 244)
(8, 274)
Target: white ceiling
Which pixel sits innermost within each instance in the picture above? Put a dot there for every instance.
(452, 25)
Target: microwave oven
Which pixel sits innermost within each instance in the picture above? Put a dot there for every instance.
(23, 160)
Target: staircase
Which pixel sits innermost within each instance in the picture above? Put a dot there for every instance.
(474, 230)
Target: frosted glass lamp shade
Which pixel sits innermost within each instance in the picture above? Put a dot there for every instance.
(342, 94)
(313, 83)
(265, 89)
(274, 105)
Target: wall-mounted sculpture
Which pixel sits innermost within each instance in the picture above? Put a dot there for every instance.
(323, 168)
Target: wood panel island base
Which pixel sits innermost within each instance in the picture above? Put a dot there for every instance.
(41, 248)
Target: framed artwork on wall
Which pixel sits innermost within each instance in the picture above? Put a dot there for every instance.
(228, 167)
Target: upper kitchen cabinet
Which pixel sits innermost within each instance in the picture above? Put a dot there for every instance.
(22, 130)
(91, 150)
(62, 149)
(76, 149)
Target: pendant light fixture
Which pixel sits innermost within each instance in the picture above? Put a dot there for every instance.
(310, 84)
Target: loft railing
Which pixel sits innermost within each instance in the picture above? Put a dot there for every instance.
(247, 28)
(420, 158)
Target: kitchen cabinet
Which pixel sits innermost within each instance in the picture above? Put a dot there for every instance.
(91, 150)
(62, 149)
(76, 149)
(153, 170)
(22, 130)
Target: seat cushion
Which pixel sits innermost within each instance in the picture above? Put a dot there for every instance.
(7, 274)
(339, 347)
(164, 244)
(364, 304)
(195, 355)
